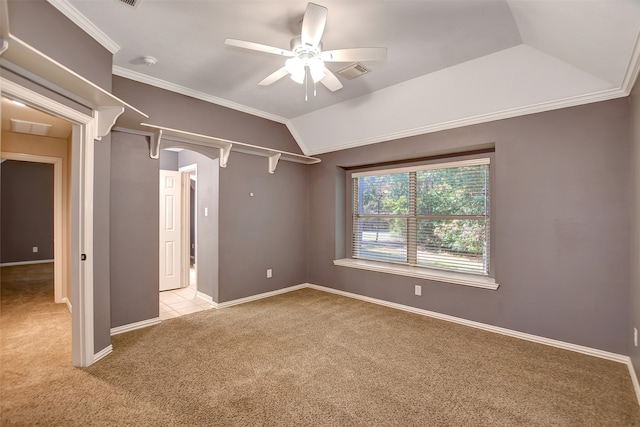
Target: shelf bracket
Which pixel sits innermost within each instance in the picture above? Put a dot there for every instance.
(106, 118)
(224, 155)
(154, 144)
(273, 162)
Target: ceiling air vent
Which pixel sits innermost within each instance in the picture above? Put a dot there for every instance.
(132, 3)
(21, 126)
(354, 70)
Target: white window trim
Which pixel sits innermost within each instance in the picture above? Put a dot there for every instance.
(455, 278)
(434, 166)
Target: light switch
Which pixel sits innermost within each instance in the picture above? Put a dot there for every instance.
(206, 211)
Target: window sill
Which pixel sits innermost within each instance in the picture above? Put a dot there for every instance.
(420, 273)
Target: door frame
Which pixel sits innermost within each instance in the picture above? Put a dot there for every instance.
(185, 231)
(58, 255)
(81, 230)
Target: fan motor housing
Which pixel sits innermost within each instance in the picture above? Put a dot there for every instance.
(303, 51)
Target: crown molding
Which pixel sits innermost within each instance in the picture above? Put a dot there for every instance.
(297, 137)
(163, 84)
(484, 118)
(68, 10)
(631, 74)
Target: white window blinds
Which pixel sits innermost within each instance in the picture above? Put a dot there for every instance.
(434, 216)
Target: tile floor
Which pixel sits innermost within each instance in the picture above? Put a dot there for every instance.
(179, 302)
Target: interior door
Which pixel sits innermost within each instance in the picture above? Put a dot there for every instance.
(170, 235)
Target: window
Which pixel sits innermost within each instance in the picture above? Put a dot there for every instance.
(433, 216)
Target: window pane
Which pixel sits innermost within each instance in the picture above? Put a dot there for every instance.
(383, 194)
(458, 245)
(453, 191)
(380, 239)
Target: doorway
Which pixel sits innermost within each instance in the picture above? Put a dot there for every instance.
(178, 234)
(78, 227)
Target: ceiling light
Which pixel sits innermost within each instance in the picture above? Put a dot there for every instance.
(298, 76)
(294, 65)
(316, 66)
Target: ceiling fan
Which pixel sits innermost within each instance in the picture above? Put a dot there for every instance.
(306, 57)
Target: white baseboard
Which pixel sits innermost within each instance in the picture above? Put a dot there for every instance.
(133, 326)
(66, 301)
(634, 379)
(259, 296)
(38, 261)
(503, 331)
(102, 353)
(206, 297)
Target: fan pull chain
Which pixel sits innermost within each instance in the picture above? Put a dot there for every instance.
(306, 84)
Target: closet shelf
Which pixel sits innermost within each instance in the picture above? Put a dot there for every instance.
(18, 57)
(225, 146)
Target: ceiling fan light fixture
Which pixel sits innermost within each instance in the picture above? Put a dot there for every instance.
(316, 68)
(298, 76)
(294, 65)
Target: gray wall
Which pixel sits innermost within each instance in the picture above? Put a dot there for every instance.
(168, 160)
(101, 244)
(134, 232)
(39, 24)
(634, 290)
(26, 202)
(181, 112)
(561, 182)
(265, 231)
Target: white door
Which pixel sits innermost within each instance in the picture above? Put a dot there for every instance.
(170, 238)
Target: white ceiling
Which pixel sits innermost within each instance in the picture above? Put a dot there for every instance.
(450, 62)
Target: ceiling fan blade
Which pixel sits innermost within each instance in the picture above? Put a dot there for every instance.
(355, 54)
(331, 81)
(257, 46)
(315, 18)
(274, 77)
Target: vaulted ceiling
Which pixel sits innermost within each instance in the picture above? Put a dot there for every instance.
(449, 63)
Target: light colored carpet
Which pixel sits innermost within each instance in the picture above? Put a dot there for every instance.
(302, 358)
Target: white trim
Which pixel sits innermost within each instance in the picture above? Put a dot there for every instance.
(68, 10)
(207, 298)
(431, 166)
(634, 378)
(37, 261)
(490, 328)
(258, 296)
(484, 282)
(633, 68)
(483, 118)
(66, 301)
(27, 96)
(136, 325)
(297, 137)
(185, 230)
(163, 84)
(102, 353)
(58, 255)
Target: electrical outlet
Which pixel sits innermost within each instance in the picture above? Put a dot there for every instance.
(418, 290)
(35, 249)
(635, 337)
(269, 273)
